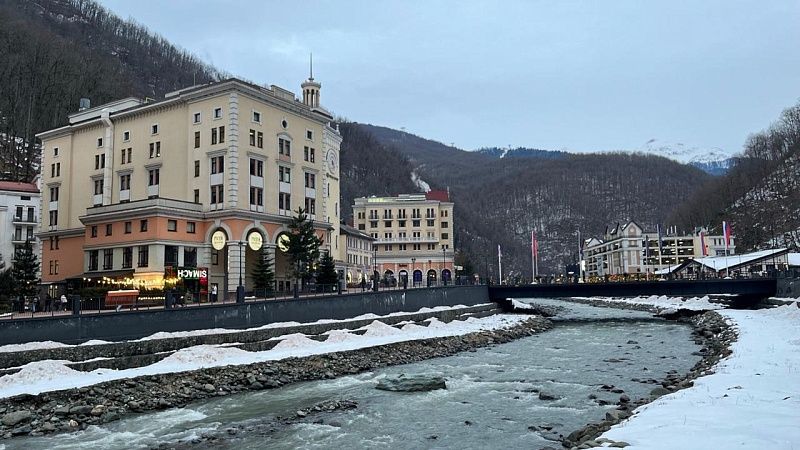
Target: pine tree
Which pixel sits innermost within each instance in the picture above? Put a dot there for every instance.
(303, 245)
(24, 271)
(263, 273)
(326, 272)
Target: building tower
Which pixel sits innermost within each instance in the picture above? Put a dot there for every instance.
(310, 87)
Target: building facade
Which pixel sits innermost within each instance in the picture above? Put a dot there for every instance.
(413, 236)
(629, 250)
(20, 205)
(200, 179)
(357, 247)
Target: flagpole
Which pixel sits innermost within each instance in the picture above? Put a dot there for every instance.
(533, 259)
(499, 264)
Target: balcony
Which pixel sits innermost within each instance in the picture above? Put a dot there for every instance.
(406, 240)
(30, 220)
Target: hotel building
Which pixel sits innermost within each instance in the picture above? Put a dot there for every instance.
(201, 178)
(628, 249)
(413, 236)
(19, 219)
(357, 246)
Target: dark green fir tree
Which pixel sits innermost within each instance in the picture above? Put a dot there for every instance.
(26, 265)
(327, 276)
(263, 274)
(303, 245)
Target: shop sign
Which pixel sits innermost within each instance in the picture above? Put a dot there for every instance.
(255, 241)
(218, 240)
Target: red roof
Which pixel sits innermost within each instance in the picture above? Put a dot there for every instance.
(442, 196)
(18, 186)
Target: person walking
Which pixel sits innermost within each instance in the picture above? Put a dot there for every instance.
(63, 302)
(213, 293)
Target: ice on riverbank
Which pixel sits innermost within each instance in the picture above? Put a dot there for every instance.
(663, 302)
(752, 401)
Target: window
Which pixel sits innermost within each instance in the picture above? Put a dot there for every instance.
(284, 201)
(18, 215)
(126, 136)
(155, 149)
(197, 195)
(252, 138)
(55, 151)
(154, 128)
(217, 113)
(284, 147)
(430, 222)
(196, 139)
(143, 225)
(284, 174)
(191, 227)
(221, 135)
(256, 117)
(217, 135)
(196, 169)
(309, 135)
(415, 223)
(99, 162)
(172, 225)
(444, 224)
(109, 229)
(260, 140)
(53, 217)
(99, 142)
(305, 153)
(31, 214)
(29, 234)
(216, 194)
(256, 196)
(445, 236)
(189, 256)
(213, 136)
(310, 180)
(217, 164)
(311, 205)
(256, 167)
(196, 117)
(170, 255)
(129, 152)
(127, 257)
(311, 155)
(108, 259)
(154, 176)
(128, 228)
(93, 231)
(144, 255)
(98, 187)
(387, 223)
(125, 182)
(93, 259)
(401, 223)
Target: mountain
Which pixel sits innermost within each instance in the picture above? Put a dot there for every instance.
(55, 52)
(521, 152)
(759, 195)
(499, 201)
(714, 161)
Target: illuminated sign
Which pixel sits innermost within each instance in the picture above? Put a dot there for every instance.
(218, 240)
(255, 241)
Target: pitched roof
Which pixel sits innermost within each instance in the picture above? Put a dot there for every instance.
(17, 186)
(720, 263)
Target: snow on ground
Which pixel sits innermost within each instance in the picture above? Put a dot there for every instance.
(751, 402)
(201, 356)
(179, 334)
(664, 302)
(520, 306)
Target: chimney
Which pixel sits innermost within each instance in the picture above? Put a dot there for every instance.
(85, 103)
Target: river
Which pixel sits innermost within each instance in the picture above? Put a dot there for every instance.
(491, 400)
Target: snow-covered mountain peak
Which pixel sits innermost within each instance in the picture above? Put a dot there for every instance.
(684, 153)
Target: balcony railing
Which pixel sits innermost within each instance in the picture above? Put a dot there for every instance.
(404, 240)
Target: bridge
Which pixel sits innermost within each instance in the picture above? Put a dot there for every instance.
(747, 290)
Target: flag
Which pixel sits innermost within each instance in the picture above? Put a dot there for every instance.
(534, 245)
(726, 231)
(703, 249)
(660, 245)
(499, 253)
(646, 247)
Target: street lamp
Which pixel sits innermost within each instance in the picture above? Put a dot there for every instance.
(240, 288)
(375, 267)
(413, 272)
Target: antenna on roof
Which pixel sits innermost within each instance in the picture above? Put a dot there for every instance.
(311, 66)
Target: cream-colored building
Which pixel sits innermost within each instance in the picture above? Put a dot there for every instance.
(413, 236)
(629, 250)
(357, 247)
(137, 187)
(19, 220)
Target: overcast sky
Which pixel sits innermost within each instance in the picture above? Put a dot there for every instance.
(578, 75)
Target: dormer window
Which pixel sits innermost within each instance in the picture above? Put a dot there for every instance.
(217, 113)
(154, 129)
(126, 136)
(196, 118)
(256, 117)
(99, 142)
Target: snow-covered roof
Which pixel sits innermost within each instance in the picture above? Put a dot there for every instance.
(723, 262)
(794, 259)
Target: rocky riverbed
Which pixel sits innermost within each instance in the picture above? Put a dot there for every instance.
(75, 409)
(711, 331)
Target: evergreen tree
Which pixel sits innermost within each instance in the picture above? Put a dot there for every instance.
(303, 245)
(24, 271)
(263, 273)
(326, 272)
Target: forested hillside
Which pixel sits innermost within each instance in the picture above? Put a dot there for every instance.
(759, 195)
(501, 200)
(53, 52)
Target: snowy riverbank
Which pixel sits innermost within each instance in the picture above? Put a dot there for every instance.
(752, 401)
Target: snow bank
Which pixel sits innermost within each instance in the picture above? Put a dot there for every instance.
(750, 402)
(664, 302)
(53, 375)
(31, 346)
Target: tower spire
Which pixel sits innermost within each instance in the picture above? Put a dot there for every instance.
(311, 67)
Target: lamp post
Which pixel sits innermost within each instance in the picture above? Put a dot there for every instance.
(413, 272)
(375, 267)
(444, 264)
(240, 288)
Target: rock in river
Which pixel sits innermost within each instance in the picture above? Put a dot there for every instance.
(411, 383)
